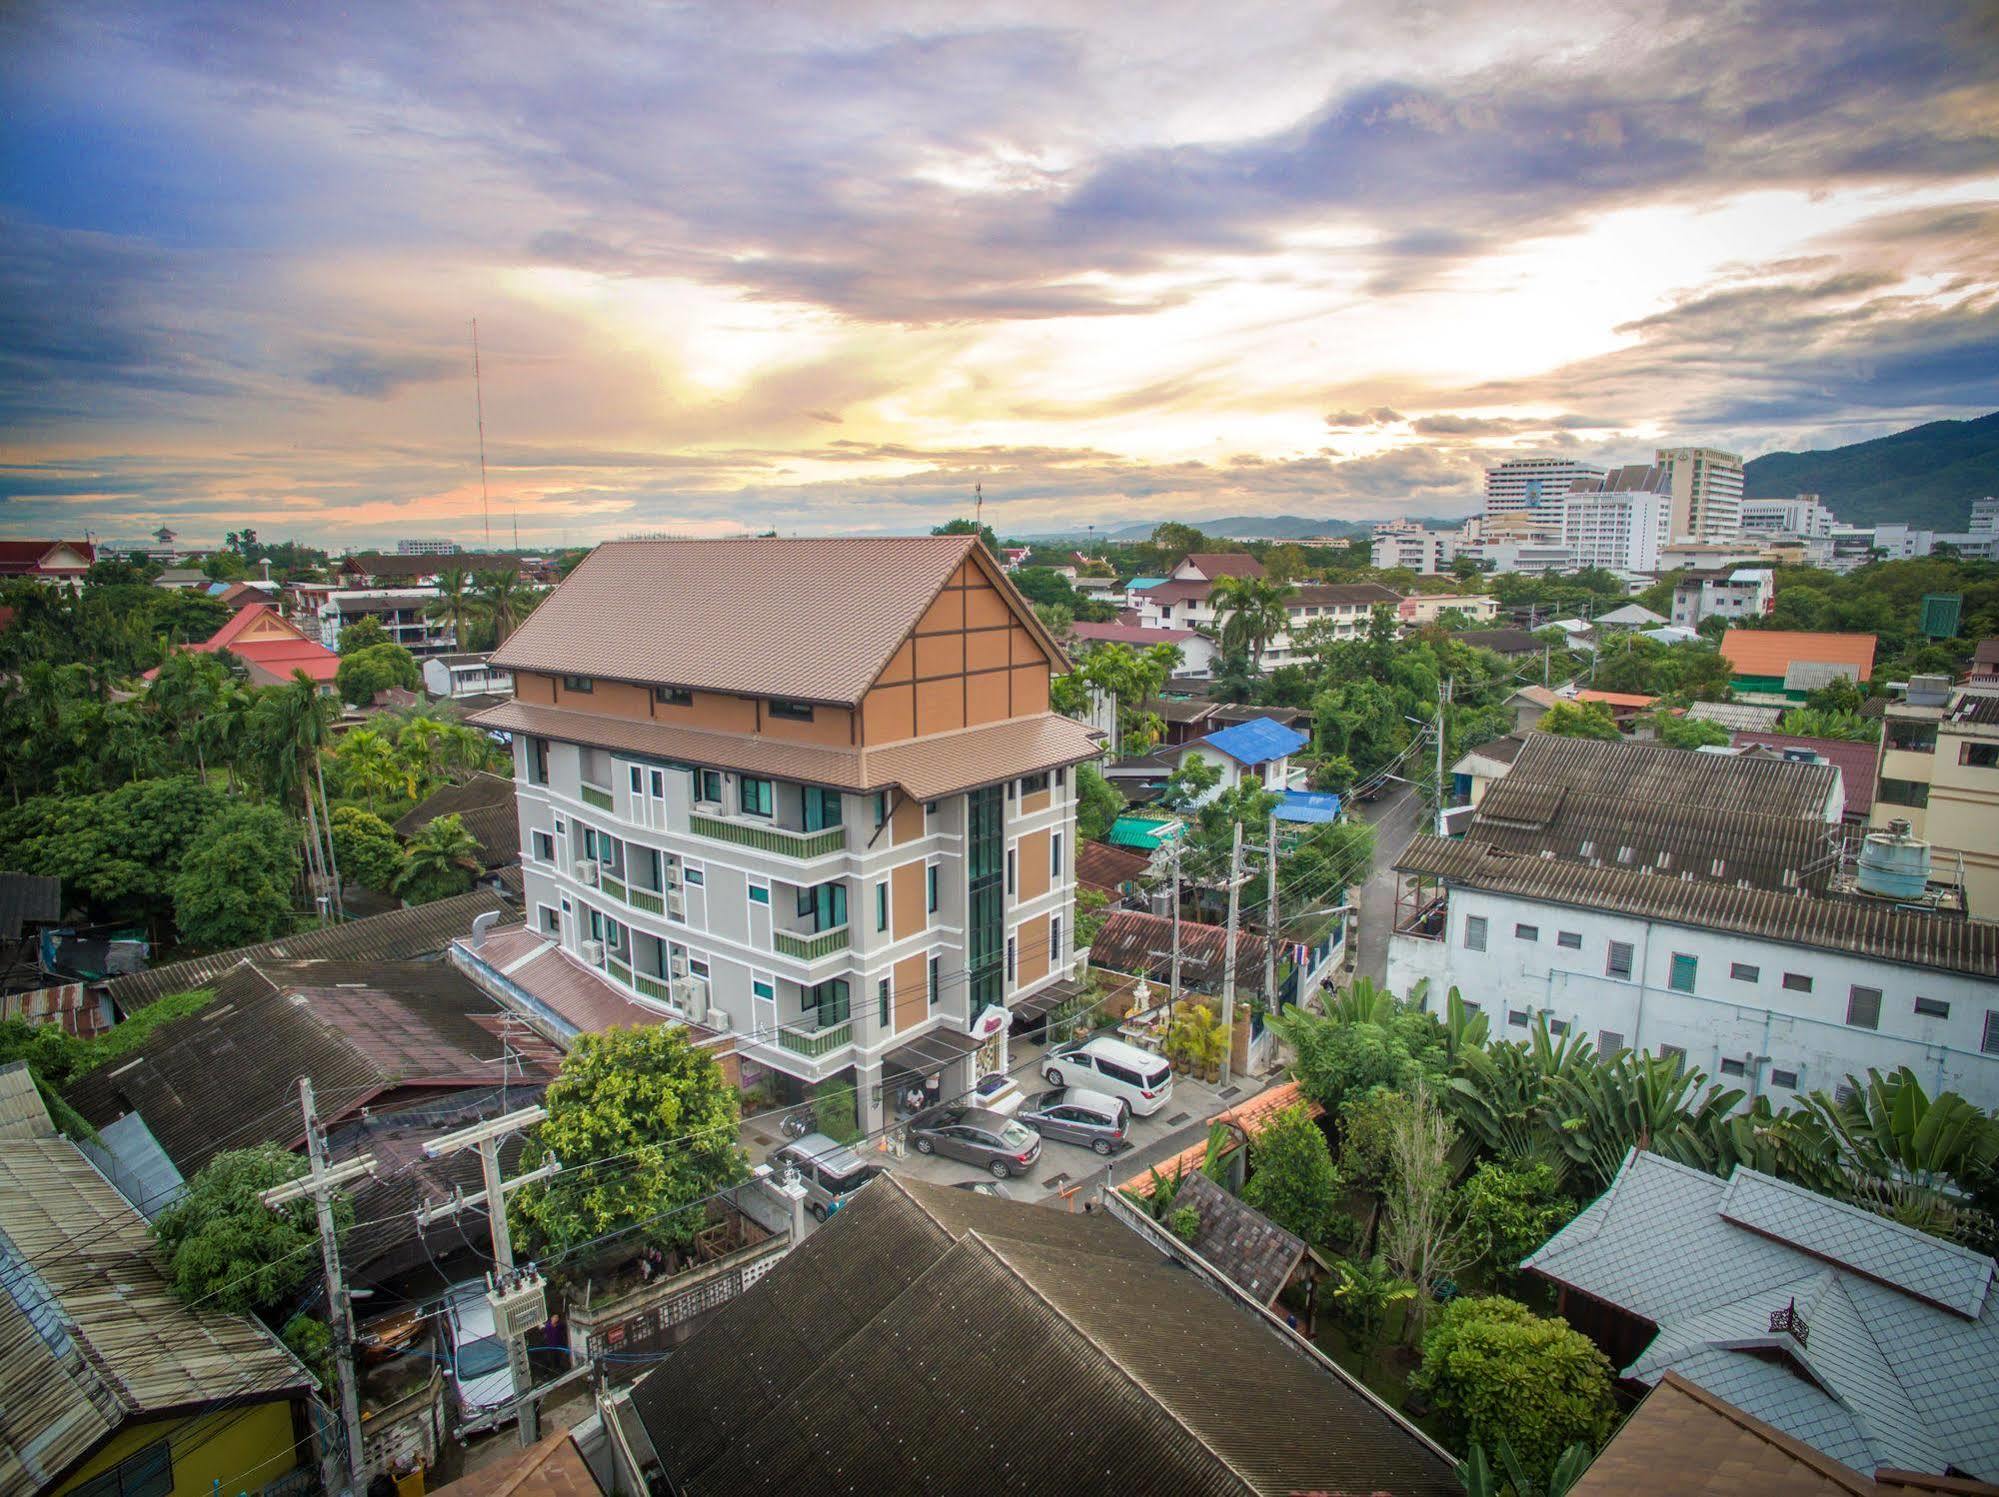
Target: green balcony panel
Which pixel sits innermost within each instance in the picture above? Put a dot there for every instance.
(811, 948)
(596, 795)
(818, 1042)
(618, 970)
(653, 987)
(770, 838)
(611, 886)
(645, 899)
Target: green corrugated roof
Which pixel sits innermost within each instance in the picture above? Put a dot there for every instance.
(1143, 833)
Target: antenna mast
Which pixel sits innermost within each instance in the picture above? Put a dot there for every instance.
(979, 508)
(479, 405)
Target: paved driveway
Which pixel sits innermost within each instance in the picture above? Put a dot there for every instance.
(1396, 818)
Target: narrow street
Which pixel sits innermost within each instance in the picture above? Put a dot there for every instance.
(1396, 818)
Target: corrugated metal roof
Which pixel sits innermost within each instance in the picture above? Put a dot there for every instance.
(1257, 741)
(22, 1113)
(1864, 927)
(1141, 944)
(917, 1310)
(1854, 759)
(1745, 716)
(1102, 866)
(392, 936)
(1882, 1377)
(91, 1334)
(811, 619)
(1645, 806)
(485, 805)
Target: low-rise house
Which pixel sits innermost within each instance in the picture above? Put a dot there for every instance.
(467, 677)
(1624, 707)
(1197, 651)
(1530, 704)
(1116, 871)
(271, 647)
(403, 613)
(1258, 1256)
(182, 579)
(962, 1321)
(60, 562)
(1866, 1340)
(1984, 664)
(1743, 717)
(1780, 666)
(1512, 644)
(484, 804)
(1629, 616)
(1139, 944)
(108, 1382)
(1427, 608)
(1480, 768)
(1336, 610)
(1259, 750)
(1939, 773)
(1186, 718)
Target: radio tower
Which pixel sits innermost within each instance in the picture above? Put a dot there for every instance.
(479, 406)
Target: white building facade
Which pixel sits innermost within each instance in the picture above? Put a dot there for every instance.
(1527, 483)
(1801, 518)
(1771, 1015)
(1404, 544)
(1706, 485)
(1619, 532)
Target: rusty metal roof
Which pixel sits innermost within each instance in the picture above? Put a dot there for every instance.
(1258, 1255)
(1862, 926)
(812, 619)
(925, 767)
(1142, 944)
(485, 805)
(1645, 806)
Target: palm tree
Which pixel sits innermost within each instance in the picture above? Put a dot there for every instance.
(453, 602)
(440, 859)
(1253, 613)
(294, 728)
(502, 600)
(366, 765)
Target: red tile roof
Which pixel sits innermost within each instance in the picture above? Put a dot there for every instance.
(1101, 866)
(1252, 1117)
(1616, 698)
(1772, 652)
(272, 658)
(24, 558)
(1130, 634)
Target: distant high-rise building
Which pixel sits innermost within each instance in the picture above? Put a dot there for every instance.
(1523, 483)
(427, 548)
(1706, 484)
(1984, 515)
(1404, 543)
(1619, 522)
(1804, 517)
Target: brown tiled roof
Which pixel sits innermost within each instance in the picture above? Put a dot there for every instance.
(1136, 635)
(925, 767)
(1334, 594)
(919, 1309)
(1258, 1255)
(1252, 1117)
(485, 804)
(1862, 926)
(1101, 866)
(815, 620)
(1141, 944)
(1215, 564)
(1179, 709)
(1772, 652)
(1188, 591)
(1684, 1442)
(1645, 806)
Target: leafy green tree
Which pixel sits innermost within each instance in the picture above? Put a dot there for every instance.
(1424, 1232)
(1512, 1210)
(223, 566)
(224, 1247)
(1911, 1158)
(234, 887)
(367, 848)
(453, 603)
(1689, 732)
(365, 673)
(1097, 804)
(1495, 1370)
(441, 860)
(967, 527)
(1368, 1121)
(365, 633)
(311, 1340)
(1819, 722)
(663, 1108)
(1368, 1040)
(1292, 1179)
(1175, 540)
(1252, 611)
(1580, 720)
(501, 600)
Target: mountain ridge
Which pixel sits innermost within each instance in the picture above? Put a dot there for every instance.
(1925, 476)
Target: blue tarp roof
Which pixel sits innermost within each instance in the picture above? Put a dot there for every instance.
(1257, 741)
(1138, 582)
(1309, 806)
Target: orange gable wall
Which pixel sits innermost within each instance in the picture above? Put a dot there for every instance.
(969, 661)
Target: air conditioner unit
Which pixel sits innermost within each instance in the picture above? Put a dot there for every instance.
(677, 966)
(676, 904)
(586, 872)
(672, 876)
(592, 952)
(718, 1020)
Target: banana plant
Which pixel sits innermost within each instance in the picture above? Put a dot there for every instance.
(1906, 1155)
(1481, 1479)
(1638, 1102)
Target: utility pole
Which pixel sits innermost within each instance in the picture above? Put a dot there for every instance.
(1228, 955)
(1270, 922)
(508, 1289)
(1173, 989)
(320, 1182)
(1444, 693)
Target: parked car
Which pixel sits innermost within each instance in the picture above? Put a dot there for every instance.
(827, 1168)
(1106, 1065)
(391, 1333)
(478, 1357)
(1071, 1115)
(991, 1140)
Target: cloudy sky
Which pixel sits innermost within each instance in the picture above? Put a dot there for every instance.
(826, 267)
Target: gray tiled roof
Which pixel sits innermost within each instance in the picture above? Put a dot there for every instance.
(1885, 1377)
(1241, 1241)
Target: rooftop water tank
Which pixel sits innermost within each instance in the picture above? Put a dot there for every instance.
(1894, 864)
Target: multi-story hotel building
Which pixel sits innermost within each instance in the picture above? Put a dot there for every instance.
(1706, 485)
(808, 792)
(1618, 522)
(1528, 483)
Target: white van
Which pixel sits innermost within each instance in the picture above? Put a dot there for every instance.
(1111, 1066)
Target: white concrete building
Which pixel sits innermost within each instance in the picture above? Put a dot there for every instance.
(429, 547)
(1617, 531)
(1402, 543)
(1984, 515)
(1527, 557)
(1773, 993)
(1732, 594)
(456, 677)
(1802, 518)
(1706, 485)
(402, 612)
(1526, 483)
(1339, 610)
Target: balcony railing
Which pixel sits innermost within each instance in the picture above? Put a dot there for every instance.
(814, 1043)
(618, 970)
(811, 948)
(653, 987)
(598, 796)
(775, 839)
(647, 900)
(612, 886)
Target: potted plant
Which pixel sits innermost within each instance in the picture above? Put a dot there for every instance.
(1196, 1040)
